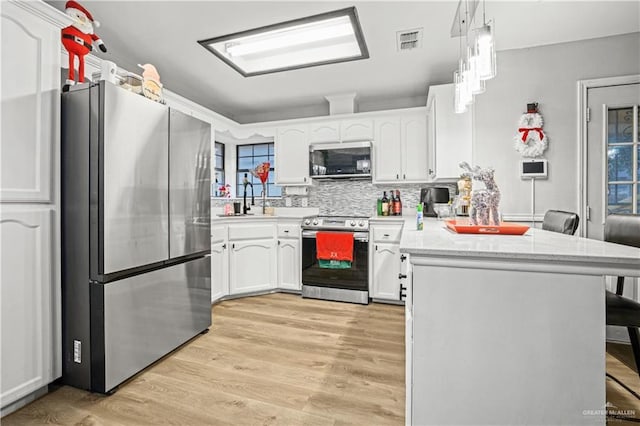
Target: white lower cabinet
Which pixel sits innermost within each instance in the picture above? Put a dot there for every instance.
(252, 257)
(289, 270)
(289, 254)
(219, 262)
(387, 262)
(29, 300)
(386, 268)
(252, 265)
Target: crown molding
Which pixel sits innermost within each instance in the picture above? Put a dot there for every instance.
(43, 11)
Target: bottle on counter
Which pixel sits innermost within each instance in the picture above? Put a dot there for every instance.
(385, 204)
(419, 218)
(397, 204)
(379, 206)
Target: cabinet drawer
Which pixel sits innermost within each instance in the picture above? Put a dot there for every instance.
(383, 234)
(218, 233)
(251, 231)
(288, 230)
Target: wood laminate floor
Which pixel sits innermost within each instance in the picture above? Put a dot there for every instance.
(275, 359)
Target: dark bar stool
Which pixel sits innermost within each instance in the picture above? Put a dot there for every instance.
(560, 221)
(621, 311)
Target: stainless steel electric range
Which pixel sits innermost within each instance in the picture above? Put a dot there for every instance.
(344, 285)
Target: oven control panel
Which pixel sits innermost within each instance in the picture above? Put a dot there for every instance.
(346, 223)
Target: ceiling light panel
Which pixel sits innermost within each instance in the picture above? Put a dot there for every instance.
(315, 40)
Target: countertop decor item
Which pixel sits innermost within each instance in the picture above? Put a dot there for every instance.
(531, 141)
(484, 202)
(463, 226)
(262, 172)
(151, 85)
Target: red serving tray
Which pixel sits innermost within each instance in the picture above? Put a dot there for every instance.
(463, 227)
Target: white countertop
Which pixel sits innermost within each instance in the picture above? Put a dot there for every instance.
(535, 245)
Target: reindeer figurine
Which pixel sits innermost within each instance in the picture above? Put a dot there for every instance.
(484, 202)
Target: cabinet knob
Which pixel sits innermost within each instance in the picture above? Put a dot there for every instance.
(430, 171)
(224, 246)
(397, 176)
(278, 242)
(403, 258)
(404, 176)
(401, 276)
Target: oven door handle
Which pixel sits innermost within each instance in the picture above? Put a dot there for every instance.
(358, 236)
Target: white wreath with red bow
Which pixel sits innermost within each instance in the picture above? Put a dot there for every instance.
(531, 140)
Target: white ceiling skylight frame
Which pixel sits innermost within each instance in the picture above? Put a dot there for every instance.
(322, 39)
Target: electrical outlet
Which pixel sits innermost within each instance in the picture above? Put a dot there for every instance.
(77, 351)
(287, 201)
(304, 202)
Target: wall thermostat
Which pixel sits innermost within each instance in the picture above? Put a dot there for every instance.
(533, 168)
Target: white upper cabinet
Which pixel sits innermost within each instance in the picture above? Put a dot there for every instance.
(326, 131)
(30, 105)
(414, 148)
(292, 155)
(387, 156)
(450, 135)
(356, 130)
(400, 148)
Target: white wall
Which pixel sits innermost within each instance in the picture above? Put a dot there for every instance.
(547, 75)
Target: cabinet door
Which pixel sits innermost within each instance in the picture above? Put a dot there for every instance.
(219, 270)
(325, 132)
(289, 264)
(292, 155)
(30, 96)
(356, 130)
(27, 299)
(431, 140)
(386, 267)
(414, 149)
(252, 266)
(452, 133)
(387, 155)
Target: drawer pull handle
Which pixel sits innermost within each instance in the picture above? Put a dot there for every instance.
(286, 231)
(386, 235)
(401, 276)
(401, 295)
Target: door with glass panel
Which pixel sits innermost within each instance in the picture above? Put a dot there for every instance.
(613, 154)
(613, 167)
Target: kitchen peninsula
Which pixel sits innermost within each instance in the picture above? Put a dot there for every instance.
(507, 329)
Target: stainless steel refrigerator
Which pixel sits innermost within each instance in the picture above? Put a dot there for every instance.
(135, 233)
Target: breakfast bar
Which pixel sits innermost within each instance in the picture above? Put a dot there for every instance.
(506, 329)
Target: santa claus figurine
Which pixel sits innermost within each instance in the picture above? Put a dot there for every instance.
(78, 38)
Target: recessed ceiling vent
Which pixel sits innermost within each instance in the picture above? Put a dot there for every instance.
(409, 39)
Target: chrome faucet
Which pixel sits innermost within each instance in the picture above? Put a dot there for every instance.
(246, 208)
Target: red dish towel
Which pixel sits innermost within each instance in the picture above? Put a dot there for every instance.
(334, 246)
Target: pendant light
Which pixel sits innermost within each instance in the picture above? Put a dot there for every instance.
(486, 49)
(459, 95)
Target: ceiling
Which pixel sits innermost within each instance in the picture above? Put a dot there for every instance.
(165, 33)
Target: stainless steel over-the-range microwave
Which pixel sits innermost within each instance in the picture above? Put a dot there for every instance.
(340, 160)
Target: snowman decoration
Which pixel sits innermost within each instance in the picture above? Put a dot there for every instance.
(78, 39)
(531, 141)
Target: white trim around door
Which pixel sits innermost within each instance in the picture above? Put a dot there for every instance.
(583, 86)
